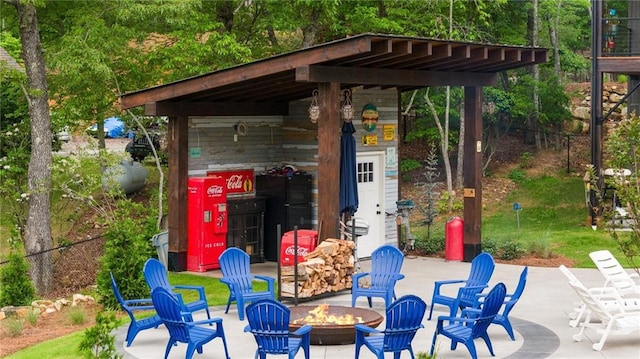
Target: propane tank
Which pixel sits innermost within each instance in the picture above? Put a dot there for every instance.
(128, 176)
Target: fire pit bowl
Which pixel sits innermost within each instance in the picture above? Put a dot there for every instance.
(327, 333)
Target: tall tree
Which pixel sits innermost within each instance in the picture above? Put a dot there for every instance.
(38, 228)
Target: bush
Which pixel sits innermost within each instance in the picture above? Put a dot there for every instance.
(505, 250)
(97, 341)
(77, 316)
(127, 248)
(16, 288)
(517, 175)
(430, 245)
(540, 248)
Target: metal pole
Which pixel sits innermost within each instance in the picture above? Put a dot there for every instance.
(295, 265)
(278, 259)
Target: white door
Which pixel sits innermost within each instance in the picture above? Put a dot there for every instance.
(370, 173)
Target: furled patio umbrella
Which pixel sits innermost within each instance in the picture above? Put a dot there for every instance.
(348, 179)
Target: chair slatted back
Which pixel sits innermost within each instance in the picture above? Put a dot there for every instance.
(386, 263)
(403, 319)
(168, 306)
(269, 323)
(482, 267)
(492, 304)
(613, 272)
(155, 274)
(234, 264)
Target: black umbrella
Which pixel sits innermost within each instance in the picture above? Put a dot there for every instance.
(348, 179)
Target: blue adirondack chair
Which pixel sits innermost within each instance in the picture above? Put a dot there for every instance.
(156, 276)
(169, 308)
(386, 262)
(502, 318)
(236, 274)
(269, 323)
(132, 305)
(481, 270)
(403, 319)
(465, 329)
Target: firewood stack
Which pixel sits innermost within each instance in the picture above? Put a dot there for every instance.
(328, 268)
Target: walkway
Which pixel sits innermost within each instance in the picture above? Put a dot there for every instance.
(540, 319)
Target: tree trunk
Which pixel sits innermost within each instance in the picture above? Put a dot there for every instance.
(533, 28)
(38, 228)
(444, 143)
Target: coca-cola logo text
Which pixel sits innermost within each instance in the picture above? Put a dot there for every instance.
(235, 182)
(215, 190)
(302, 251)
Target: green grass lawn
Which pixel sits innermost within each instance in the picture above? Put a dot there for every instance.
(66, 347)
(553, 216)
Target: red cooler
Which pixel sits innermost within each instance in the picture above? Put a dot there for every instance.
(307, 241)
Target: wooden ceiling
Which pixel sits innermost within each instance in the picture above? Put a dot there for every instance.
(266, 86)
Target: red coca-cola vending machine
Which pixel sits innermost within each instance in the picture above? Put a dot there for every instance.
(207, 221)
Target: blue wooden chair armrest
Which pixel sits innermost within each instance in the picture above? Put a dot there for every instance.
(454, 319)
(366, 329)
(439, 283)
(200, 289)
(471, 312)
(206, 321)
(357, 276)
(302, 330)
(271, 282)
(399, 276)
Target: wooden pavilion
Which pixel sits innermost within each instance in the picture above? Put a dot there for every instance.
(267, 86)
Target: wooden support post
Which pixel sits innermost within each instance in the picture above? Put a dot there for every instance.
(472, 172)
(328, 159)
(178, 132)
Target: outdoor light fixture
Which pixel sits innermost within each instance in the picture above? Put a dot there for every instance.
(314, 109)
(347, 107)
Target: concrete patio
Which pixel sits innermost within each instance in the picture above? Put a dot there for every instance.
(540, 319)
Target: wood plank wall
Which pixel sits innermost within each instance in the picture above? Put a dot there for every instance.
(274, 141)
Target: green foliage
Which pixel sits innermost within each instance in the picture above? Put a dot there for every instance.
(77, 315)
(504, 249)
(16, 286)
(443, 203)
(97, 341)
(13, 326)
(430, 244)
(127, 248)
(517, 175)
(526, 160)
(430, 210)
(623, 151)
(32, 317)
(540, 248)
(409, 164)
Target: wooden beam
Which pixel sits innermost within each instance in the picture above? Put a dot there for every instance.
(249, 71)
(624, 65)
(472, 172)
(389, 77)
(177, 135)
(328, 159)
(168, 108)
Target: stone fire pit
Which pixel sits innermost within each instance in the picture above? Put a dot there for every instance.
(332, 333)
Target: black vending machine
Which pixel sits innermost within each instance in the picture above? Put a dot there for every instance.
(289, 203)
